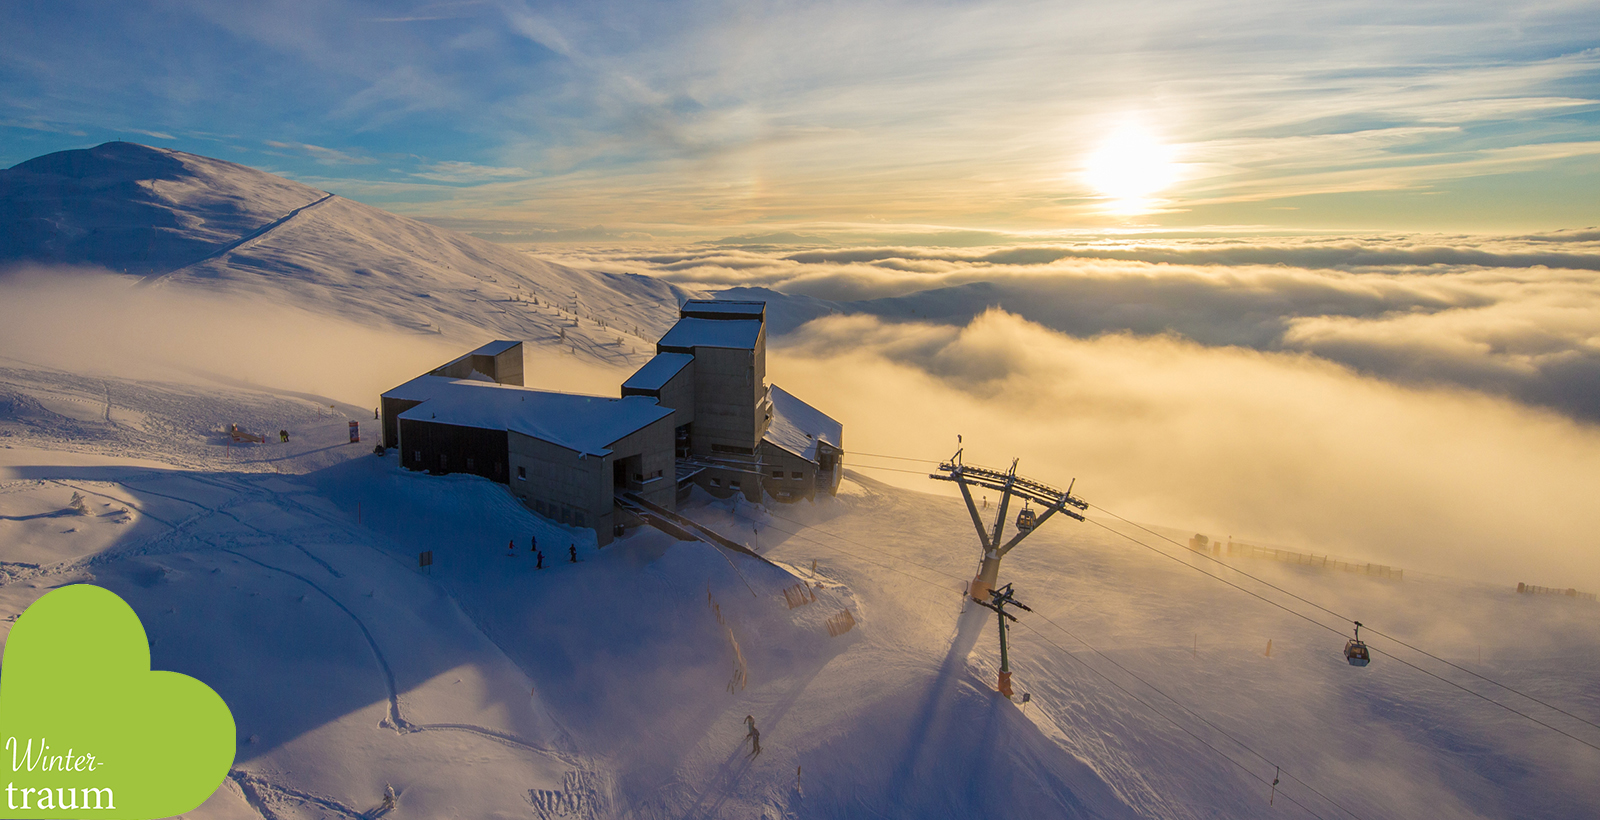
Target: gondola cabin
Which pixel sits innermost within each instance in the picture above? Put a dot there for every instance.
(1026, 520)
(1355, 651)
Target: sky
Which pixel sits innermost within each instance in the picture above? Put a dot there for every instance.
(698, 119)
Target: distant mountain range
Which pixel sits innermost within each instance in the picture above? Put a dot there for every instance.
(175, 219)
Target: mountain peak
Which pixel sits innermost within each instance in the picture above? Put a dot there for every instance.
(134, 208)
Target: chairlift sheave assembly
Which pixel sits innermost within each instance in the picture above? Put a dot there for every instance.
(1355, 651)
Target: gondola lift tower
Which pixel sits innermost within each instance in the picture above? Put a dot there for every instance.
(1008, 484)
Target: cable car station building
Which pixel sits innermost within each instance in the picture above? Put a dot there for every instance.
(699, 412)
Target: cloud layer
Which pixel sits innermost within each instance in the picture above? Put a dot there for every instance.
(1282, 447)
(1517, 317)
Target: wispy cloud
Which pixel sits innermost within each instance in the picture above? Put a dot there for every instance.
(325, 156)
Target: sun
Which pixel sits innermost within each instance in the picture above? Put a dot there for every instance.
(1129, 168)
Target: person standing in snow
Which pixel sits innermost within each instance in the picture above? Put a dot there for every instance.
(533, 543)
(538, 558)
(511, 546)
(572, 550)
(754, 735)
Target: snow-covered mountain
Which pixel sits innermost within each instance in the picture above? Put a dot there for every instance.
(175, 219)
(286, 576)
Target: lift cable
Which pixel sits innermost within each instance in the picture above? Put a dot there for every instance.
(1196, 715)
(1174, 722)
(855, 466)
(1310, 619)
(1374, 631)
(1318, 606)
(1073, 657)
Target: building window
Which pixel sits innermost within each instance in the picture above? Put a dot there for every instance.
(469, 464)
(797, 475)
(638, 476)
(777, 474)
(416, 456)
(522, 473)
(716, 482)
(656, 474)
(729, 448)
(577, 518)
(444, 460)
(733, 483)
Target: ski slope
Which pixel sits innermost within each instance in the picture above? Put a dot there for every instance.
(285, 576)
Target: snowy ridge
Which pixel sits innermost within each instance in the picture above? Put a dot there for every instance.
(186, 221)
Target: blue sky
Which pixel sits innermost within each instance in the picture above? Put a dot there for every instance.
(678, 117)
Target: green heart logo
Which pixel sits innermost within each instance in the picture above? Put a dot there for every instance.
(90, 730)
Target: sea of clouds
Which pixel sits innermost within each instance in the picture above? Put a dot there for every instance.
(1425, 402)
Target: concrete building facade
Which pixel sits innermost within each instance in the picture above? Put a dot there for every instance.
(699, 413)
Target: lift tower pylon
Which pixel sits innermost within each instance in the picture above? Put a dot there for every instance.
(1008, 483)
(999, 599)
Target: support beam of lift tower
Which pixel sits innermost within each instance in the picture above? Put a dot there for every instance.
(1007, 483)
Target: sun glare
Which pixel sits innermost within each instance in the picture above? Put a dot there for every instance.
(1129, 168)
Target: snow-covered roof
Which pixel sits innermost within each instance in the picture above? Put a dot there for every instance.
(797, 426)
(723, 308)
(587, 424)
(421, 388)
(740, 334)
(494, 348)
(658, 371)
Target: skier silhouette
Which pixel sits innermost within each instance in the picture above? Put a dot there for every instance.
(573, 551)
(538, 558)
(754, 735)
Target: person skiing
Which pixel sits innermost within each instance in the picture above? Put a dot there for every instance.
(283, 436)
(511, 546)
(572, 550)
(538, 558)
(533, 543)
(754, 735)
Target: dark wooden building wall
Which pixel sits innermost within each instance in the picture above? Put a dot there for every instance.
(392, 408)
(448, 448)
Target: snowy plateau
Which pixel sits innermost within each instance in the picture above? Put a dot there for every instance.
(284, 575)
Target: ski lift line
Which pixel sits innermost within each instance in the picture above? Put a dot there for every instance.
(1193, 713)
(1343, 617)
(1092, 669)
(1403, 661)
(855, 466)
(898, 458)
(1224, 755)
(1069, 654)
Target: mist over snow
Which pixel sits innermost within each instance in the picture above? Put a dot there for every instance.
(1426, 402)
